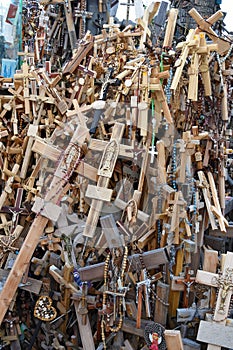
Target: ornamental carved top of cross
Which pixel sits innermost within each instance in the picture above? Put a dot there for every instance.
(216, 333)
(225, 282)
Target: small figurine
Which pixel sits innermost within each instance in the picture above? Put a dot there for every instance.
(155, 342)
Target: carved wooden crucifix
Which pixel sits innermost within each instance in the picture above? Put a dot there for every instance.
(183, 284)
(105, 171)
(216, 333)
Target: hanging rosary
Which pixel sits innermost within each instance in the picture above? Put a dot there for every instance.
(114, 292)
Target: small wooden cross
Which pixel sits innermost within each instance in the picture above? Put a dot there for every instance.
(16, 210)
(51, 242)
(185, 283)
(8, 187)
(42, 264)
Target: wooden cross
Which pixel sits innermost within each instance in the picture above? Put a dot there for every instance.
(56, 190)
(148, 15)
(7, 189)
(84, 329)
(127, 4)
(170, 28)
(5, 225)
(25, 69)
(151, 259)
(183, 284)
(173, 340)
(51, 242)
(81, 52)
(178, 212)
(111, 26)
(41, 264)
(34, 126)
(205, 26)
(215, 209)
(16, 209)
(160, 97)
(64, 279)
(105, 172)
(216, 333)
(182, 59)
(69, 19)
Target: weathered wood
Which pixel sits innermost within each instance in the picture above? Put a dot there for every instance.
(103, 181)
(84, 329)
(215, 334)
(161, 310)
(173, 340)
(152, 259)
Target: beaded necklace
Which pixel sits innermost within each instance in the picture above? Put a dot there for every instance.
(174, 165)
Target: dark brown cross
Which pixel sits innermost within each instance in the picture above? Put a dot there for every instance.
(187, 281)
(16, 209)
(11, 322)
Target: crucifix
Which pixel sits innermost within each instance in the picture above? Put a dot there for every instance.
(82, 13)
(183, 284)
(216, 333)
(16, 210)
(99, 105)
(69, 19)
(127, 4)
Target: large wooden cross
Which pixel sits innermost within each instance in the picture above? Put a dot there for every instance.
(216, 333)
(101, 192)
(55, 191)
(205, 26)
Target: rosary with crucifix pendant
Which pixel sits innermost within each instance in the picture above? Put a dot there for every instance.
(114, 292)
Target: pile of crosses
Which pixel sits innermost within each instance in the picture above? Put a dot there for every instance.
(116, 198)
